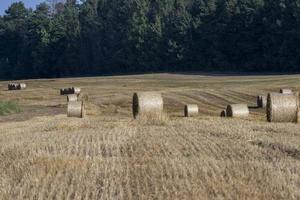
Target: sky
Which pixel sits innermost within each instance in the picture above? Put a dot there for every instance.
(4, 4)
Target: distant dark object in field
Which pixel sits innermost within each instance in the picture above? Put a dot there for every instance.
(237, 110)
(66, 91)
(223, 113)
(76, 109)
(147, 103)
(261, 101)
(191, 110)
(72, 97)
(16, 86)
(12, 86)
(282, 108)
(286, 91)
(73, 90)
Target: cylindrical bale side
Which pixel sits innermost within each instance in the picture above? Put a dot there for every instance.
(261, 101)
(22, 86)
(76, 90)
(72, 97)
(264, 101)
(144, 103)
(223, 113)
(237, 110)
(282, 107)
(191, 110)
(76, 109)
(286, 91)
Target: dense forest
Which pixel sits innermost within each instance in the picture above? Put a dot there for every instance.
(96, 37)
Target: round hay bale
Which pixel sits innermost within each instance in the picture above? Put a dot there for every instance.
(223, 113)
(144, 103)
(13, 86)
(62, 91)
(282, 107)
(66, 91)
(10, 86)
(76, 90)
(16, 86)
(191, 110)
(76, 109)
(286, 91)
(261, 101)
(22, 86)
(72, 97)
(237, 110)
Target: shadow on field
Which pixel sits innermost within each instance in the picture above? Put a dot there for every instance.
(28, 112)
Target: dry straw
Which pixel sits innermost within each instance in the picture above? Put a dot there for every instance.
(286, 91)
(282, 107)
(83, 97)
(223, 113)
(72, 97)
(191, 110)
(237, 110)
(261, 101)
(147, 103)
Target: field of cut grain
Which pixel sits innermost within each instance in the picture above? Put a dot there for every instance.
(108, 155)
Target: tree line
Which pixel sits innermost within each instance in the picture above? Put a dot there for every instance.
(98, 37)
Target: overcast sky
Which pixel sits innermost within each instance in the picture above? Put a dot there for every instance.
(4, 4)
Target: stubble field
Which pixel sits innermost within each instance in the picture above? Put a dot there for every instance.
(108, 155)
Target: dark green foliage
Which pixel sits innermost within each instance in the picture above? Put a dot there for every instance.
(8, 107)
(117, 36)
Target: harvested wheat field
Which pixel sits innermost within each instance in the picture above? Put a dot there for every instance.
(109, 155)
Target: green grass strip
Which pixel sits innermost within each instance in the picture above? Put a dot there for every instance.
(9, 107)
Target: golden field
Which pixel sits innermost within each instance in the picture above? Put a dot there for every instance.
(108, 155)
